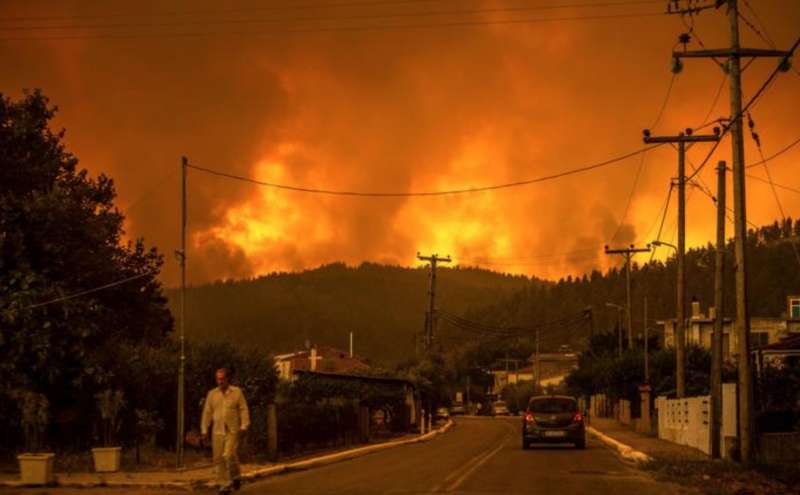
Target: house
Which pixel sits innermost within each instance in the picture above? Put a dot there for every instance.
(505, 377)
(785, 352)
(763, 330)
(319, 358)
(412, 407)
(554, 364)
(554, 367)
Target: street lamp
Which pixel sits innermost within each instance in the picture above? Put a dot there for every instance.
(619, 323)
(663, 243)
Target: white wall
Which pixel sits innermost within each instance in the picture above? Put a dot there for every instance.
(688, 421)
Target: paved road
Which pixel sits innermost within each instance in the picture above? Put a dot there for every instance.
(478, 456)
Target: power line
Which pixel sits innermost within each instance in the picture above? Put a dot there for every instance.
(757, 140)
(217, 21)
(495, 187)
(90, 291)
(705, 120)
(768, 39)
(641, 161)
(749, 104)
(663, 218)
(308, 6)
(779, 186)
(334, 29)
(780, 152)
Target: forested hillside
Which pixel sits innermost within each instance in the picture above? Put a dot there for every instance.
(383, 305)
(774, 269)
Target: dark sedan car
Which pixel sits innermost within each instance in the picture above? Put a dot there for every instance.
(553, 419)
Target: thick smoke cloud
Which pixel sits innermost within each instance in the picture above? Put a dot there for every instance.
(393, 110)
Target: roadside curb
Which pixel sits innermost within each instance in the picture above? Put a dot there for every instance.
(339, 456)
(626, 451)
(251, 476)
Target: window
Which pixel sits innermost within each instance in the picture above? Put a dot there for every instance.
(794, 308)
(552, 406)
(759, 339)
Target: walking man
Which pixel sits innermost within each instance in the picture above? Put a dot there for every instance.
(226, 408)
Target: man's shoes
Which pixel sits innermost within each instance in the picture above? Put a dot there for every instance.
(224, 490)
(237, 484)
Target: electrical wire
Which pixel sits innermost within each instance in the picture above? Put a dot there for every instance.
(779, 186)
(713, 105)
(757, 140)
(763, 26)
(780, 152)
(753, 28)
(307, 6)
(494, 187)
(747, 107)
(334, 29)
(91, 291)
(636, 178)
(217, 21)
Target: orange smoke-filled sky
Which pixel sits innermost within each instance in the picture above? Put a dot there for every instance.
(397, 96)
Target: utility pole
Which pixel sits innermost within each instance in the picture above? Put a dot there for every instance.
(719, 306)
(734, 54)
(646, 346)
(628, 253)
(589, 314)
(680, 324)
(430, 321)
(538, 365)
(182, 358)
(619, 325)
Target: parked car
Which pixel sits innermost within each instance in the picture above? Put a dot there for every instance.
(442, 413)
(501, 409)
(457, 409)
(553, 419)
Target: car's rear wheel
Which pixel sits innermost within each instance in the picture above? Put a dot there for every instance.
(581, 444)
(525, 444)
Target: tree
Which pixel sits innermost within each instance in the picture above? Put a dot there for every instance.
(61, 235)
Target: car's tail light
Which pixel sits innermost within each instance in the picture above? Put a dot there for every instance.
(578, 417)
(529, 418)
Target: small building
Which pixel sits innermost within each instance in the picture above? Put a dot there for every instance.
(763, 330)
(506, 377)
(319, 358)
(554, 364)
(785, 352)
(409, 416)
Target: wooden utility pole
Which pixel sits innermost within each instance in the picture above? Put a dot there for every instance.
(181, 427)
(430, 321)
(734, 54)
(628, 253)
(716, 340)
(680, 325)
(646, 346)
(538, 365)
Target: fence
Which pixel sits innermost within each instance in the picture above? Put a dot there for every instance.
(687, 421)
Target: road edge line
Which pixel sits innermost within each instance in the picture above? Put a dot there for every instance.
(256, 474)
(340, 456)
(626, 451)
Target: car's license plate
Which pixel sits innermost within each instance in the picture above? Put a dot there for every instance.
(555, 433)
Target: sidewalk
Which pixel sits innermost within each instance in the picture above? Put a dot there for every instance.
(648, 445)
(204, 477)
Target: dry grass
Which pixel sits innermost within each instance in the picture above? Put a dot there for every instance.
(727, 478)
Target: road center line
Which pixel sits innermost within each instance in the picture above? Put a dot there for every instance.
(472, 467)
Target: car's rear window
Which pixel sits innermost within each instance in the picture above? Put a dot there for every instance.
(552, 406)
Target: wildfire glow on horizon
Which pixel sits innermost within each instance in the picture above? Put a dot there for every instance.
(333, 105)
